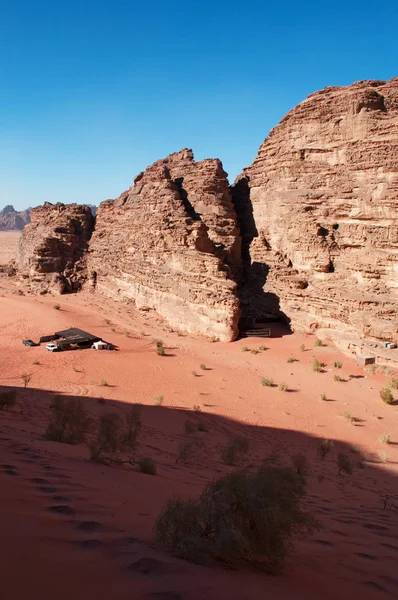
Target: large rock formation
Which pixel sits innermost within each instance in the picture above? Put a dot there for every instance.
(170, 243)
(52, 249)
(10, 219)
(318, 211)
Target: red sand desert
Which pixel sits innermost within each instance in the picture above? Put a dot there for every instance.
(71, 528)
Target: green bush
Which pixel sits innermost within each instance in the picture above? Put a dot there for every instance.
(57, 307)
(147, 466)
(69, 422)
(386, 396)
(8, 399)
(242, 517)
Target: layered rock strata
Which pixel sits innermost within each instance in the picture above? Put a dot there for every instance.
(322, 196)
(170, 243)
(53, 247)
(11, 219)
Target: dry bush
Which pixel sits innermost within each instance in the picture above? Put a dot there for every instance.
(323, 397)
(242, 517)
(319, 343)
(8, 399)
(324, 448)
(245, 349)
(386, 396)
(300, 463)
(267, 382)
(317, 366)
(190, 426)
(344, 464)
(337, 364)
(159, 347)
(57, 307)
(203, 367)
(283, 387)
(337, 378)
(302, 347)
(385, 438)
(238, 446)
(69, 422)
(159, 400)
(116, 436)
(147, 466)
(393, 383)
(26, 379)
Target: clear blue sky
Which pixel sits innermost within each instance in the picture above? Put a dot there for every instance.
(93, 91)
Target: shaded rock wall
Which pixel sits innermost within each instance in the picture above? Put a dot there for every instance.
(170, 243)
(323, 192)
(52, 250)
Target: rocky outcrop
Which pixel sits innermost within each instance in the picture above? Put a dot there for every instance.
(318, 211)
(52, 250)
(11, 220)
(170, 243)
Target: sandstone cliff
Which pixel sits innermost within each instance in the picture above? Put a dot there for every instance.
(170, 243)
(52, 250)
(10, 219)
(318, 211)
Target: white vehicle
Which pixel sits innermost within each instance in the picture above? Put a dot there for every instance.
(53, 348)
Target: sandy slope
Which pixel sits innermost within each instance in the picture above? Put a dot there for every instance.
(84, 550)
(8, 245)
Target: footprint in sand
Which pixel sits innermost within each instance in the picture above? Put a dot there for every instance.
(148, 566)
(375, 527)
(364, 555)
(91, 526)
(375, 586)
(323, 542)
(89, 544)
(10, 470)
(47, 489)
(39, 481)
(62, 509)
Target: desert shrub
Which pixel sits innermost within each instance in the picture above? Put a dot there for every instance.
(385, 438)
(386, 396)
(132, 428)
(323, 397)
(104, 383)
(238, 446)
(318, 343)
(393, 383)
(371, 369)
(57, 307)
(190, 426)
(317, 366)
(159, 400)
(147, 466)
(187, 448)
(245, 349)
(25, 379)
(203, 367)
(383, 456)
(262, 348)
(107, 321)
(254, 351)
(197, 408)
(283, 387)
(213, 339)
(344, 464)
(324, 448)
(36, 362)
(159, 347)
(302, 347)
(108, 438)
(266, 382)
(337, 378)
(292, 360)
(243, 516)
(194, 373)
(337, 364)
(69, 422)
(300, 463)
(8, 399)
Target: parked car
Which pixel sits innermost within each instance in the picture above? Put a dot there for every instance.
(29, 343)
(53, 348)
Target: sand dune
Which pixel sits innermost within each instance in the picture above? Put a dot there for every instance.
(71, 527)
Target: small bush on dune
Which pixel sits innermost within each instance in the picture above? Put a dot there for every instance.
(324, 448)
(69, 423)
(116, 436)
(159, 347)
(323, 397)
(385, 438)
(337, 364)
(57, 307)
(190, 426)
(238, 446)
(318, 343)
(386, 396)
(283, 387)
(203, 367)
(159, 400)
(393, 383)
(300, 463)
(344, 464)
(147, 466)
(302, 347)
(262, 348)
(337, 378)
(245, 349)
(317, 366)
(266, 382)
(25, 379)
(8, 399)
(243, 517)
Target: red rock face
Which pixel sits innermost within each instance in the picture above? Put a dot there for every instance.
(11, 220)
(170, 243)
(323, 192)
(52, 249)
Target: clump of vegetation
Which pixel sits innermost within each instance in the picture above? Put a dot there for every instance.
(319, 343)
(383, 456)
(197, 408)
(324, 448)
(190, 427)
(69, 422)
(337, 364)
(101, 400)
(159, 400)
(283, 387)
(203, 367)
(262, 348)
(243, 516)
(385, 438)
(26, 379)
(292, 360)
(323, 397)
(213, 339)
(113, 329)
(266, 382)
(371, 369)
(194, 373)
(57, 307)
(317, 366)
(254, 351)
(344, 463)
(300, 463)
(36, 362)
(8, 399)
(302, 347)
(104, 383)
(237, 448)
(245, 349)
(147, 466)
(386, 396)
(393, 383)
(116, 436)
(107, 321)
(159, 347)
(337, 378)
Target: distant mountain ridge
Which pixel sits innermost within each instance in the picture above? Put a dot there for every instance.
(11, 219)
